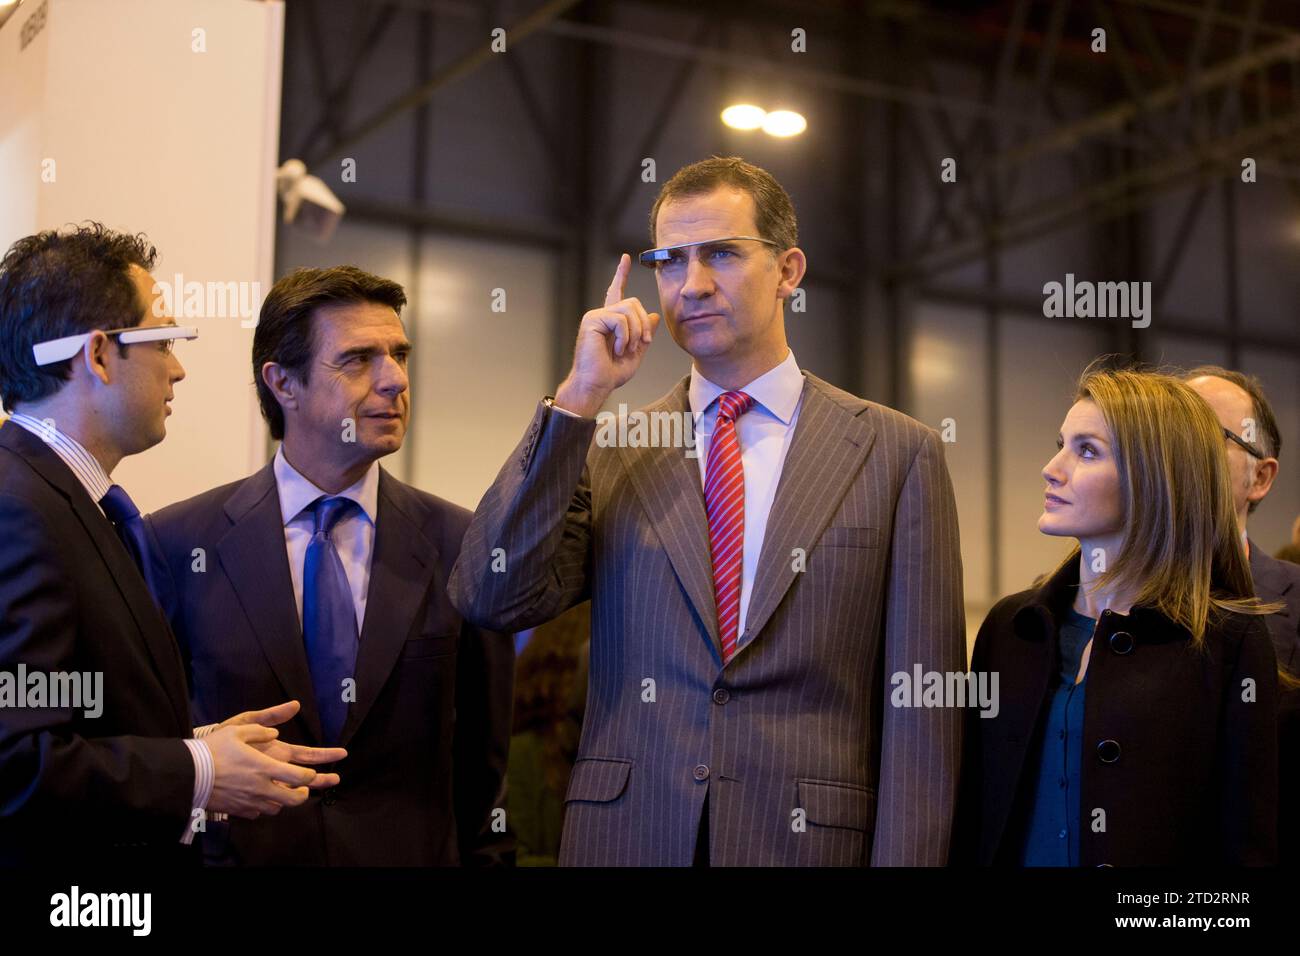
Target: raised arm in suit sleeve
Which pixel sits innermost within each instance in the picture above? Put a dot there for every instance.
(484, 698)
(538, 513)
(138, 788)
(925, 625)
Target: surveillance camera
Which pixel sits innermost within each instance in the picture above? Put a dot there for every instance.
(308, 203)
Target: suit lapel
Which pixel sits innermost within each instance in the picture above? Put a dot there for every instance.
(826, 453)
(669, 487)
(400, 573)
(155, 634)
(158, 638)
(255, 560)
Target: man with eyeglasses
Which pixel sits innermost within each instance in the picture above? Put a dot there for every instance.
(1253, 443)
(750, 602)
(87, 373)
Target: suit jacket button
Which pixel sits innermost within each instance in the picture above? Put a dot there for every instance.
(721, 695)
(329, 799)
(1108, 751)
(1121, 642)
(701, 772)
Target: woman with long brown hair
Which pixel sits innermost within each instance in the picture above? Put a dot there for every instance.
(1137, 685)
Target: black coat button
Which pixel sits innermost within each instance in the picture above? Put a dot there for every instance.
(701, 772)
(1121, 642)
(329, 799)
(721, 695)
(1108, 751)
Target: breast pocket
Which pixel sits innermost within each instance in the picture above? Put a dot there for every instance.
(424, 646)
(841, 536)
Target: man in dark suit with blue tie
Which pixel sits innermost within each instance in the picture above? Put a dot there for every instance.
(324, 576)
(99, 760)
(1253, 443)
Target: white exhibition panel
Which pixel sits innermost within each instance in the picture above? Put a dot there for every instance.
(162, 117)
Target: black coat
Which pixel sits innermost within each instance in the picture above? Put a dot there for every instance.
(117, 788)
(1185, 770)
(428, 733)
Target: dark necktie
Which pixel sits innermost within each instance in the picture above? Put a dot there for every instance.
(329, 619)
(125, 516)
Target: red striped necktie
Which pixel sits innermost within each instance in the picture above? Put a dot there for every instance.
(724, 501)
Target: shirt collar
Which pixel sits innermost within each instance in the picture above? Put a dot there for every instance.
(777, 390)
(90, 473)
(297, 493)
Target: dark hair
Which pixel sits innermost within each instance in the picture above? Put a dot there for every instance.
(284, 327)
(1270, 436)
(55, 284)
(773, 211)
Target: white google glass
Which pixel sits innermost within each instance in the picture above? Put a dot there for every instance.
(652, 257)
(56, 350)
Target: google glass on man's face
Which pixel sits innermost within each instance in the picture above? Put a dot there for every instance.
(653, 257)
(56, 350)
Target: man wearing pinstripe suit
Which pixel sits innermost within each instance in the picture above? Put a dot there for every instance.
(749, 605)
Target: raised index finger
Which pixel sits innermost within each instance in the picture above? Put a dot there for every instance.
(616, 287)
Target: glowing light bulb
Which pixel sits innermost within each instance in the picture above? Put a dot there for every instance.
(784, 123)
(744, 116)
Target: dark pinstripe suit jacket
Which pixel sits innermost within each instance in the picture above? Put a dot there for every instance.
(794, 742)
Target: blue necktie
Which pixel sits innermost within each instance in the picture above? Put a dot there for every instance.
(125, 516)
(329, 619)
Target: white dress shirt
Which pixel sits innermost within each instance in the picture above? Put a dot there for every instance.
(353, 535)
(90, 473)
(764, 433)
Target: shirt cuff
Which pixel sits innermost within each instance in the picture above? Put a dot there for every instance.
(205, 730)
(204, 777)
(551, 404)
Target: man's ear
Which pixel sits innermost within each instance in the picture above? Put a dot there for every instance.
(94, 355)
(283, 385)
(1265, 472)
(793, 264)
